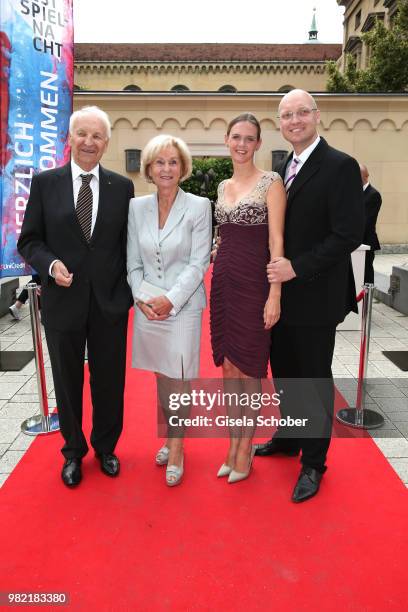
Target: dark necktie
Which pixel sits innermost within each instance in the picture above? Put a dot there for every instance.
(84, 206)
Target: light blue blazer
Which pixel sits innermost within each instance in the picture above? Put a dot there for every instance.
(178, 260)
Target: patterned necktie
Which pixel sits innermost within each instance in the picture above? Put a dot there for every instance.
(291, 174)
(84, 206)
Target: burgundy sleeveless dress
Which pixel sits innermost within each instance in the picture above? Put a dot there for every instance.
(239, 286)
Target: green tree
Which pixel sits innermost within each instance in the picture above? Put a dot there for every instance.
(387, 70)
(221, 168)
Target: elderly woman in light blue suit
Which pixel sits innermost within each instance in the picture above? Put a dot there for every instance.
(169, 241)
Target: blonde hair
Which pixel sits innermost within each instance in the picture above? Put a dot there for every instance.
(95, 111)
(156, 145)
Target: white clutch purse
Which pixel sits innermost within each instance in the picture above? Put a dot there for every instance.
(148, 291)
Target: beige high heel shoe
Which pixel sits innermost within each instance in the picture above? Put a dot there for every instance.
(174, 474)
(225, 470)
(162, 455)
(237, 476)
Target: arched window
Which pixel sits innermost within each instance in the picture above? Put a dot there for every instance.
(286, 88)
(132, 88)
(180, 88)
(228, 89)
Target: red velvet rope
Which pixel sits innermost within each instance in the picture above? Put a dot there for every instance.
(360, 296)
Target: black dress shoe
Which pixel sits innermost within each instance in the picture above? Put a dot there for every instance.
(272, 447)
(71, 472)
(109, 463)
(307, 485)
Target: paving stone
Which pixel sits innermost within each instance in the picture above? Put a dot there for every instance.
(13, 333)
(387, 431)
(29, 368)
(5, 344)
(9, 461)
(379, 334)
(25, 398)
(3, 478)
(346, 350)
(3, 448)
(22, 346)
(387, 368)
(377, 356)
(8, 389)
(351, 336)
(391, 404)
(349, 359)
(374, 370)
(15, 410)
(401, 334)
(338, 370)
(9, 430)
(386, 390)
(398, 416)
(401, 467)
(14, 377)
(390, 344)
(400, 383)
(22, 442)
(402, 426)
(353, 370)
(393, 447)
(31, 386)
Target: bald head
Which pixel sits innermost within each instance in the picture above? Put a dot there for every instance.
(298, 96)
(299, 118)
(364, 173)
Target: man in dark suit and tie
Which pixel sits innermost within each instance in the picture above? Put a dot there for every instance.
(324, 224)
(74, 234)
(372, 205)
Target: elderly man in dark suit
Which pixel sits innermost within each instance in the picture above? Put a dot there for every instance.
(74, 234)
(324, 224)
(372, 204)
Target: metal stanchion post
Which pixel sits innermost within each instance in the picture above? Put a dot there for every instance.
(361, 417)
(43, 423)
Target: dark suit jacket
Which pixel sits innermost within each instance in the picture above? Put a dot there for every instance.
(51, 231)
(324, 224)
(372, 205)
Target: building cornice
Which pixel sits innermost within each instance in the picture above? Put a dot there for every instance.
(264, 67)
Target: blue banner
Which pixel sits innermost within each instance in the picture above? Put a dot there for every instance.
(36, 79)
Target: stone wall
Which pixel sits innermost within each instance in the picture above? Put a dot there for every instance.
(371, 128)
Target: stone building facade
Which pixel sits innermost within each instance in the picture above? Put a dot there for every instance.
(193, 91)
(359, 17)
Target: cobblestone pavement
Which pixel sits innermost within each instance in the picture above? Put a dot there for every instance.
(387, 386)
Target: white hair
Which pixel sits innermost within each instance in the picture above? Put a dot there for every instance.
(95, 111)
(156, 145)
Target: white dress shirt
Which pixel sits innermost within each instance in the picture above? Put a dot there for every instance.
(76, 172)
(302, 157)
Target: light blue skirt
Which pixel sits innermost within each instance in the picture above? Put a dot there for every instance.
(170, 347)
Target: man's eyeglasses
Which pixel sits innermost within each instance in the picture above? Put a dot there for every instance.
(302, 113)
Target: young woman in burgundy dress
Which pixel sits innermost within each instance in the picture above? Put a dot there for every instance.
(250, 213)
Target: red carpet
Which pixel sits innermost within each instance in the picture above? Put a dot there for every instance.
(134, 544)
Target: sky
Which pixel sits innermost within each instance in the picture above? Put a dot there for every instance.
(218, 21)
